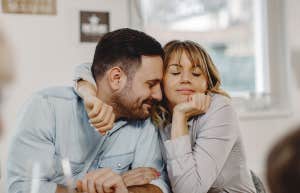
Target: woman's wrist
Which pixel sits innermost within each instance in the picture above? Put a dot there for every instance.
(85, 89)
(179, 125)
(178, 115)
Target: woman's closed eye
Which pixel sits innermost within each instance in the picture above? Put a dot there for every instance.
(174, 70)
(197, 74)
(196, 71)
(175, 73)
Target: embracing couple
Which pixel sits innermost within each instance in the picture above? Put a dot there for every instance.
(141, 118)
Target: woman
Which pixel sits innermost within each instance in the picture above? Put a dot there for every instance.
(202, 148)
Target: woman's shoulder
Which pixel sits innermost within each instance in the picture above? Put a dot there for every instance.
(219, 101)
(221, 111)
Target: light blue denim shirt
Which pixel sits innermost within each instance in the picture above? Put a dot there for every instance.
(54, 125)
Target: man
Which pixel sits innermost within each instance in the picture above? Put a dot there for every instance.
(54, 127)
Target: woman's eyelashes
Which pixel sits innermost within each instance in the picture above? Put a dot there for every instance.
(196, 71)
(196, 74)
(178, 72)
(174, 70)
(175, 73)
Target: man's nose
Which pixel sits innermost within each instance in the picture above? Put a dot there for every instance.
(157, 93)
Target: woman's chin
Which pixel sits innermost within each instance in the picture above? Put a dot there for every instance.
(181, 100)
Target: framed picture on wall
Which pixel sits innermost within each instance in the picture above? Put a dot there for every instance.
(47, 7)
(93, 25)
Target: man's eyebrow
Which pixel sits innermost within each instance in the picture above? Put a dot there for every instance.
(157, 80)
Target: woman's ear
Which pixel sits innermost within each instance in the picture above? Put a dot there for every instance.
(116, 78)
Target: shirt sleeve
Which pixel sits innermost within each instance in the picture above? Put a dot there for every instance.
(83, 72)
(148, 154)
(195, 169)
(32, 147)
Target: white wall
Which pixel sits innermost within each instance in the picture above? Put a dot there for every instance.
(46, 48)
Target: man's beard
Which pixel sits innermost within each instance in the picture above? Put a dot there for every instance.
(128, 106)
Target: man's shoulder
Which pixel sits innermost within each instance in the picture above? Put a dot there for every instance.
(58, 92)
(141, 123)
(145, 125)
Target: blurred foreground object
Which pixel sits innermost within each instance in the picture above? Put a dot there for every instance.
(283, 164)
(5, 68)
(5, 61)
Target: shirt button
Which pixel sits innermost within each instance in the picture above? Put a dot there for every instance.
(119, 165)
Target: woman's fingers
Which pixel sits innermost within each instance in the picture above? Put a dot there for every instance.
(106, 124)
(104, 119)
(200, 102)
(93, 106)
(100, 116)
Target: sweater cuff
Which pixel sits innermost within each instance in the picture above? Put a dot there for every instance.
(83, 72)
(178, 147)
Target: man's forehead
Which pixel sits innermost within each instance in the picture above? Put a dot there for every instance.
(151, 68)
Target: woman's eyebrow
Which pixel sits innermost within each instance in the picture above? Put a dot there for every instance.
(197, 66)
(177, 65)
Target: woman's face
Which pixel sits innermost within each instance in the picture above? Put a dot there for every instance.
(182, 79)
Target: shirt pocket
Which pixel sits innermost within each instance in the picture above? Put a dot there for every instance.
(118, 163)
(76, 167)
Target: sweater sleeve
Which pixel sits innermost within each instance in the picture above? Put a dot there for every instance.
(83, 72)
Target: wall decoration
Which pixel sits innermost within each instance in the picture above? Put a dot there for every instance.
(29, 6)
(93, 25)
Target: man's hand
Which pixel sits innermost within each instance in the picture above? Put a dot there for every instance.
(102, 181)
(100, 114)
(140, 176)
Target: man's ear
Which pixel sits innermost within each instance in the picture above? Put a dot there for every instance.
(116, 78)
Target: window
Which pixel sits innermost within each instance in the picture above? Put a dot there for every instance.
(238, 34)
(226, 28)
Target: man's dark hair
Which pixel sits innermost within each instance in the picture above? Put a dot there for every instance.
(123, 48)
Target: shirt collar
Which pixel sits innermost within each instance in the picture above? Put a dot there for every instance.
(190, 122)
(117, 125)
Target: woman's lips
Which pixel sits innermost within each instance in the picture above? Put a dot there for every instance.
(186, 91)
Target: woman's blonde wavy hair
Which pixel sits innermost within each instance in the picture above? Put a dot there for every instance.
(161, 115)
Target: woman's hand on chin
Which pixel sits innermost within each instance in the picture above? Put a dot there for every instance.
(196, 104)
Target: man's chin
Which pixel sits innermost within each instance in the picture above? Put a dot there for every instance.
(144, 115)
